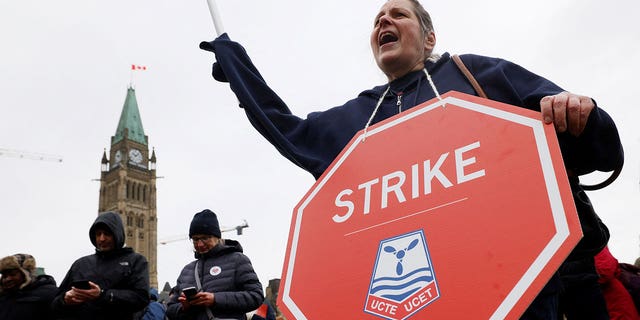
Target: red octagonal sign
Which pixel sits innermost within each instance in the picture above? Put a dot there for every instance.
(441, 212)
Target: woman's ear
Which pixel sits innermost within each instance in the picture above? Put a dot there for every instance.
(429, 41)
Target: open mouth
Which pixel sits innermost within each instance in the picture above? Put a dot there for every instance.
(387, 37)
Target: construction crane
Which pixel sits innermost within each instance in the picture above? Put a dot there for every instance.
(21, 154)
(238, 229)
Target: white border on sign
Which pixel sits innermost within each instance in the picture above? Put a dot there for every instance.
(555, 200)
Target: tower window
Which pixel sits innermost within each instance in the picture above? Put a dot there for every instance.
(140, 222)
(133, 191)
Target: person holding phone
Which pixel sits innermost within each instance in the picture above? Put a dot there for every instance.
(112, 283)
(221, 282)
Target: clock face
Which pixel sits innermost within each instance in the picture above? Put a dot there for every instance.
(118, 156)
(135, 156)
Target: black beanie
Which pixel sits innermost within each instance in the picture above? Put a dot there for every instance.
(205, 222)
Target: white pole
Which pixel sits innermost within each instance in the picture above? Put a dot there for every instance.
(215, 16)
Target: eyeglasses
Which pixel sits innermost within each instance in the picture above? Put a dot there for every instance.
(201, 239)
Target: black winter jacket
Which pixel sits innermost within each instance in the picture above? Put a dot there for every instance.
(30, 302)
(121, 273)
(228, 274)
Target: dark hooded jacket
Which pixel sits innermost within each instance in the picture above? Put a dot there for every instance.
(313, 143)
(228, 274)
(31, 302)
(121, 273)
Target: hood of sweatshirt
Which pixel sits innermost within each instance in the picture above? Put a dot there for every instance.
(111, 221)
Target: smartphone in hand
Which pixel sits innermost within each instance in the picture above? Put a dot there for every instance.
(81, 284)
(189, 292)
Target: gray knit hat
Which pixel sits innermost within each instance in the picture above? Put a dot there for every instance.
(23, 262)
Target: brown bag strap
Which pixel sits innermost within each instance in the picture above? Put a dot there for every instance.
(467, 73)
(480, 92)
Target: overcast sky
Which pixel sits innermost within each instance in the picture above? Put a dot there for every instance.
(65, 68)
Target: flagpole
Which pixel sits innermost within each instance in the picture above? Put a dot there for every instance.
(215, 16)
(131, 77)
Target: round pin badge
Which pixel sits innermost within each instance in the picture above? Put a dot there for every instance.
(215, 270)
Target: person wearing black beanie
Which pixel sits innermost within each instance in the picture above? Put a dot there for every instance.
(205, 222)
(227, 286)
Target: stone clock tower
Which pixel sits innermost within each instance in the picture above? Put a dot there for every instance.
(128, 184)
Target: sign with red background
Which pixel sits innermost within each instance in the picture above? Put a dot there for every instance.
(441, 212)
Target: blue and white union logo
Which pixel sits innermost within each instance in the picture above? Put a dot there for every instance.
(403, 281)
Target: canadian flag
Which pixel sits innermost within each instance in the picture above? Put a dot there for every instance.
(136, 67)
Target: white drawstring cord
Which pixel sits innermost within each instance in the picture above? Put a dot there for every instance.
(364, 137)
(433, 86)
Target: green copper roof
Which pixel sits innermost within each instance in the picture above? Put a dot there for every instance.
(130, 119)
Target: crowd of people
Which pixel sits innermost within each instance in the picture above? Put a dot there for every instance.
(113, 283)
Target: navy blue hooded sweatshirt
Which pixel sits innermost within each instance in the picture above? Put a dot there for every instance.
(313, 143)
